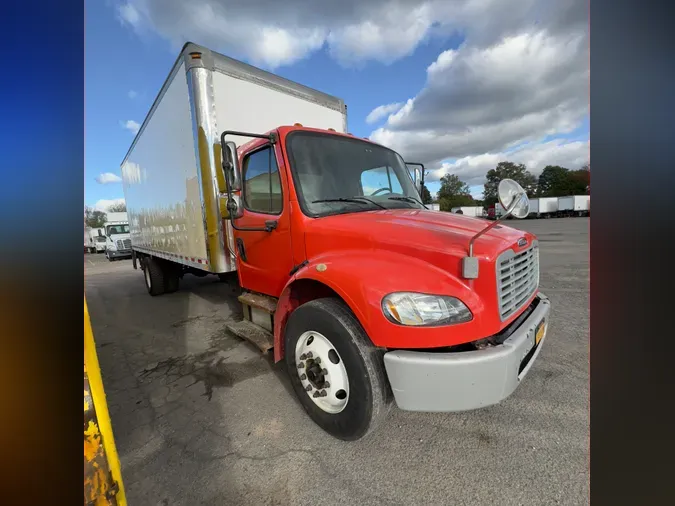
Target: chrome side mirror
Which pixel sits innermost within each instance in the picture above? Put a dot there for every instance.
(513, 199)
(235, 209)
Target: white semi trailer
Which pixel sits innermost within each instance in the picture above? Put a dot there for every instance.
(175, 194)
(574, 205)
(543, 207)
(473, 211)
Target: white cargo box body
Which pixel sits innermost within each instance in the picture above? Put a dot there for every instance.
(434, 207)
(548, 205)
(534, 206)
(475, 211)
(582, 203)
(172, 174)
(499, 210)
(116, 218)
(565, 203)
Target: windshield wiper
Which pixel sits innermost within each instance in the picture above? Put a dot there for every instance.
(409, 199)
(350, 199)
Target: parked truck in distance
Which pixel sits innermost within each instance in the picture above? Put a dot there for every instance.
(366, 297)
(473, 211)
(543, 207)
(118, 241)
(495, 212)
(574, 205)
(94, 240)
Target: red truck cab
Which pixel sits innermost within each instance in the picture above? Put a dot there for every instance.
(361, 289)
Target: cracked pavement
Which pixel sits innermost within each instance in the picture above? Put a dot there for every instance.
(201, 417)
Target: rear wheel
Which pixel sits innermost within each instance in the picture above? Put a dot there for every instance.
(154, 277)
(336, 372)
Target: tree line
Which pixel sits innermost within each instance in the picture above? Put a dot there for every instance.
(93, 218)
(554, 181)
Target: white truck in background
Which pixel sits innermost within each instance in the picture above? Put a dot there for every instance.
(473, 211)
(574, 205)
(94, 240)
(543, 207)
(118, 240)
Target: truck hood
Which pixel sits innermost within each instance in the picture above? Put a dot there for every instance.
(427, 235)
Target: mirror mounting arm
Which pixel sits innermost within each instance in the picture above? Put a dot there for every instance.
(470, 263)
(494, 223)
(228, 166)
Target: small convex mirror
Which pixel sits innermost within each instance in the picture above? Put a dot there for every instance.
(513, 198)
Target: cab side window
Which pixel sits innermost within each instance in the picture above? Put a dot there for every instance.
(262, 185)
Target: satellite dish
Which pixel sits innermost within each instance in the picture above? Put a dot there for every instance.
(513, 198)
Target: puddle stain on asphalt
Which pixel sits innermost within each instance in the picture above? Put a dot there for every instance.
(210, 368)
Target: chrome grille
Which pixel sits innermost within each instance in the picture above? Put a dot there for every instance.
(517, 279)
(124, 244)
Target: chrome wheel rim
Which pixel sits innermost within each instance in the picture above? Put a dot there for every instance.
(322, 372)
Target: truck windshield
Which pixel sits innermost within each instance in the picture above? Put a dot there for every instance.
(336, 175)
(117, 229)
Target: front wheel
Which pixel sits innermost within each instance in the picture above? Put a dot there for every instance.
(107, 255)
(336, 372)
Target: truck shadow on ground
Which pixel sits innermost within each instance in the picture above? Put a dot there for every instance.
(166, 363)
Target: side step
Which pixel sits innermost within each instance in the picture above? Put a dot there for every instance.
(259, 309)
(253, 333)
(256, 300)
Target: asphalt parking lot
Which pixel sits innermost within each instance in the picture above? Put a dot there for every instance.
(201, 417)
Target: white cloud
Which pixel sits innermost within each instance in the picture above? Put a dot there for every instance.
(129, 14)
(354, 31)
(382, 111)
(131, 125)
(535, 156)
(108, 178)
(132, 94)
(104, 204)
(521, 74)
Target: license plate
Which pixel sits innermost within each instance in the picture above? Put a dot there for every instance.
(539, 332)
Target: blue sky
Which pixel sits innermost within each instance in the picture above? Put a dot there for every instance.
(131, 46)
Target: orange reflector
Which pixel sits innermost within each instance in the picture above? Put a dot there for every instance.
(331, 130)
(297, 124)
(196, 56)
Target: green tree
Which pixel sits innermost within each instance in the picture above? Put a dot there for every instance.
(556, 181)
(426, 195)
(120, 207)
(507, 170)
(453, 193)
(94, 218)
(582, 180)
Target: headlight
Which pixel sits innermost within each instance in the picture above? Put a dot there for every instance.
(420, 309)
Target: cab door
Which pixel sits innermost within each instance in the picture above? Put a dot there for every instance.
(264, 259)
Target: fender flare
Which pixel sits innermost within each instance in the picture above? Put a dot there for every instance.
(344, 273)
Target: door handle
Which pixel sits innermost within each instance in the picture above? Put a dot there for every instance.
(241, 249)
(271, 225)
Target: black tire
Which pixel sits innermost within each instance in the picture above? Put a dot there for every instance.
(153, 276)
(171, 278)
(107, 255)
(369, 394)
